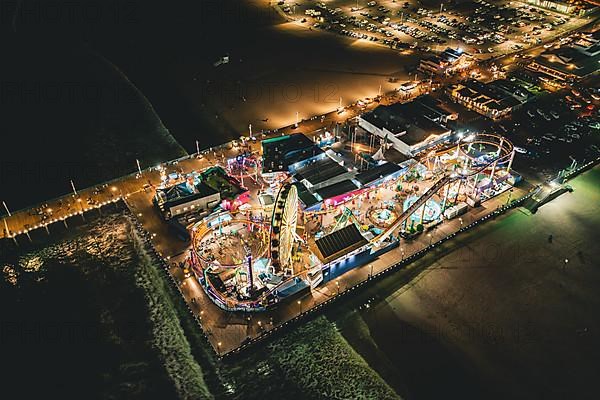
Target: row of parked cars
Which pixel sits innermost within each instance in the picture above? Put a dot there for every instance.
(559, 124)
(487, 24)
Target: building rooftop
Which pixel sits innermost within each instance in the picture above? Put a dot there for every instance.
(570, 61)
(497, 95)
(451, 54)
(512, 88)
(306, 197)
(337, 189)
(447, 58)
(280, 152)
(423, 129)
(340, 242)
(319, 171)
(411, 122)
(394, 156)
(373, 174)
(434, 106)
(184, 192)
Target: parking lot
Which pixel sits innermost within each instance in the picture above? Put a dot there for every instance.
(556, 129)
(480, 27)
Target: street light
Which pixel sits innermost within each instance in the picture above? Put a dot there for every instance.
(371, 273)
(6, 208)
(461, 222)
(430, 238)
(300, 304)
(6, 227)
(402, 250)
(337, 283)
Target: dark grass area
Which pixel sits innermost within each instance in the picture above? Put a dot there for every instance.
(91, 314)
(76, 327)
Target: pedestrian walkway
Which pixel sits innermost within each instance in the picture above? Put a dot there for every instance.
(228, 331)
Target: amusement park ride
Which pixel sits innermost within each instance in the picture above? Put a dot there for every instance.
(469, 160)
(248, 259)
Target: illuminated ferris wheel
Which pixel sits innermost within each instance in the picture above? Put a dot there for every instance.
(283, 226)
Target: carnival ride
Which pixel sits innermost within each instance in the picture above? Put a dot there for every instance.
(382, 217)
(227, 246)
(470, 161)
(430, 211)
(245, 165)
(283, 227)
(245, 259)
(263, 260)
(347, 216)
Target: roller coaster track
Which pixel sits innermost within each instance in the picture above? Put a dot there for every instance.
(440, 183)
(347, 215)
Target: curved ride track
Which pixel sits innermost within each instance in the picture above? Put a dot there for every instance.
(454, 176)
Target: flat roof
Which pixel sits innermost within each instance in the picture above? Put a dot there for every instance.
(394, 156)
(182, 193)
(337, 189)
(487, 89)
(452, 55)
(319, 171)
(418, 133)
(569, 61)
(389, 117)
(280, 152)
(433, 104)
(416, 118)
(306, 197)
(340, 242)
(512, 88)
(376, 173)
(495, 95)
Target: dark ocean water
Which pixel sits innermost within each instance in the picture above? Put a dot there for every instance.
(69, 113)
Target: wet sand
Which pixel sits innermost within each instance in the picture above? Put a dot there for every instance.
(276, 68)
(503, 316)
